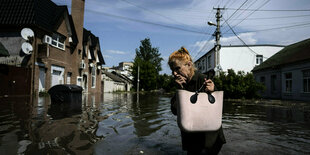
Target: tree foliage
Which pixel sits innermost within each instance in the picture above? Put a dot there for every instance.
(238, 85)
(167, 83)
(149, 60)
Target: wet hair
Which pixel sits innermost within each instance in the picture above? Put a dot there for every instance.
(180, 55)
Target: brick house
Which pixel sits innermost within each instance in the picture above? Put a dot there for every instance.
(91, 64)
(57, 44)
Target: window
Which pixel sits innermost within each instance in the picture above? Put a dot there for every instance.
(262, 80)
(58, 41)
(79, 81)
(259, 59)
(306, 80)
(93, 77)
(209, 61)
(273, 83)
(206, 63)
(203, 64)
(199, 66)
(288, 82)
(69, 77)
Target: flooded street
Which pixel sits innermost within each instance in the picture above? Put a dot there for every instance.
(123, 123)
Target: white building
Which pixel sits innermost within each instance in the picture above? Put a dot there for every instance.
(124, 68)
(237, 57)
(112, 82)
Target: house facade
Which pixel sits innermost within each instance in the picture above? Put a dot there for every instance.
(113, 81)
(238, 58)
(57, 44)
(91, 62)
(286, 75)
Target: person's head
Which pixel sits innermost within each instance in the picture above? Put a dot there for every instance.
(181, 64)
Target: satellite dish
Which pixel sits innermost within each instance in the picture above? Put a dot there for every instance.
(27, 33)
(27, 48)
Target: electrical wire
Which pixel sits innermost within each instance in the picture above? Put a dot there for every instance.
(239, 37)
(203, 47)
(251, 13)
(208, 31)
(279, 17)
(148, 22)
(244, 11)
(276, 28)
(270, 10)
(148, 10)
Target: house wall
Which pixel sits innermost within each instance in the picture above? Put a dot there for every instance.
(202, 64)
(108, 86)
(270, 91)
(297, 82)
(238, 58)
(281, 93)
(12, 83)
(242, 58)
(88, 71)
(56, 57)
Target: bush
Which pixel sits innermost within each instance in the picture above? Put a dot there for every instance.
(238, 85)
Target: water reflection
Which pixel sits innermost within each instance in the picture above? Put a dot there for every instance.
(123, 123)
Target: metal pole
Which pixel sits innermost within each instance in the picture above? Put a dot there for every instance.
(138, 81)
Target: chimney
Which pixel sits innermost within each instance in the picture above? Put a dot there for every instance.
(77, 12)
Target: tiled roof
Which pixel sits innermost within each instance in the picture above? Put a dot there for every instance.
(42, 13)
(114, 77)
(293, 53)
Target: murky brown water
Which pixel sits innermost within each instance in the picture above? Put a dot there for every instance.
(118, 123)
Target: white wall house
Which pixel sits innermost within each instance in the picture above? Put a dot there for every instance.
(113, 82)
(238, 58)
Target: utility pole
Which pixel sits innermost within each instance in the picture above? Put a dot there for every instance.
(138, 80)
(217, 35)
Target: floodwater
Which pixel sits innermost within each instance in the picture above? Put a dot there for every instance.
(124, 123)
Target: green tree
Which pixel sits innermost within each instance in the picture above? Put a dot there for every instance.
(167, 83)
(149, 60)
(238, 85)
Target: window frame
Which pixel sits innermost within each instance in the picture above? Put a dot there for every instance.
(306, 81)
(288, 77)
(93, 77)
(259, 59)
(56, 41)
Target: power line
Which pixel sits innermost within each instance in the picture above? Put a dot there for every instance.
(275, 28)
(267, 10)
(150, 23)
(203, 47)
(244, 11)
(297, 16)
(145, 9)
(251, 13)
(239, 37)
(207, 30)
(237, 9)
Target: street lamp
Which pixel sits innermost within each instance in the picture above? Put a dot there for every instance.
(211, 23)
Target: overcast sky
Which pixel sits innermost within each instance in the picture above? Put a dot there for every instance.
(170, 24)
